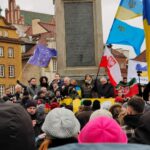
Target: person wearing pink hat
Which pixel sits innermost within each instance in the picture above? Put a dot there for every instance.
(102, 130)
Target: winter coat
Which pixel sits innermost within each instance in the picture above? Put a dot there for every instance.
(39, 121)
(131, 123)
(87, 90)
(32, 90)
(106, 90)
(102, 147)
(146, 92)
(84, 116)
(142, 133)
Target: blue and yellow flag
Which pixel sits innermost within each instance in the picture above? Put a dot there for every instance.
(129, 9)
(122, 33)
(146, 21)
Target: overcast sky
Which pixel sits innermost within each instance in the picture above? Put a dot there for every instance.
(45, 6)
(109, 8)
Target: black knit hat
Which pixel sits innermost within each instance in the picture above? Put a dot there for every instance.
(30, 103)
(87, 103)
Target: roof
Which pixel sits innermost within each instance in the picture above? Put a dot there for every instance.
(29, 16)
(11, 40)
(29, 31)
(47, 26)
(117, 54)
(21, 28)
(5, 21)
(42, 40)
(141, 57)
(44, 36)
(8, 25)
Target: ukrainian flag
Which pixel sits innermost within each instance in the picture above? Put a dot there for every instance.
(146, 21)
(122, 33)
(129, 9)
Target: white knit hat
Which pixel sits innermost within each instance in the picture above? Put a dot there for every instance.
(100, 113)
(61, 123)
(106, 105)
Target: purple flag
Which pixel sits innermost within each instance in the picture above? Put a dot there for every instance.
(42, 56)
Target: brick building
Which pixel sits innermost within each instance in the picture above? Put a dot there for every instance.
(15, 15)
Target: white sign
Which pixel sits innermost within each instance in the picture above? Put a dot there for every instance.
(133, 67)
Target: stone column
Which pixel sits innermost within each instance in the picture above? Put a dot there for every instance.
(79, 37)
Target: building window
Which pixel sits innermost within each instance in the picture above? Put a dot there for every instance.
(1, 52)
(11, 71)
(5, 34)
(2, 87)
(2, 71)
(23, 49)
(54, 65)
(12, 89)
(10, 52)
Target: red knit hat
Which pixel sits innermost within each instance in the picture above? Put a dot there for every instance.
(54, 105)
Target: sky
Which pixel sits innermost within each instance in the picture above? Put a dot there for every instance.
(109, 8)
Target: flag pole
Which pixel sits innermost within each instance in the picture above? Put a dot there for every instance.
(95, 83)
(109, 46)
(22, 71)
(114, 20)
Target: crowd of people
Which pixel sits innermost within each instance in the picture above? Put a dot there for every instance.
(33, 117)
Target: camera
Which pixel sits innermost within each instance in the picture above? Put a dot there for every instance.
(139, 73)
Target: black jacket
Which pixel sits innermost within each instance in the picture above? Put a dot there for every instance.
(84, 116)
(133, 121)
(39, 121)
(146, 92)
(142, 133)
(106, 90)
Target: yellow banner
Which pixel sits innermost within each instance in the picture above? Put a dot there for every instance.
(77, 102)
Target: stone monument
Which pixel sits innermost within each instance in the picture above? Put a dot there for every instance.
(79, 38)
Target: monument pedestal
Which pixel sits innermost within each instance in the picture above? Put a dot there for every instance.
(79, 38)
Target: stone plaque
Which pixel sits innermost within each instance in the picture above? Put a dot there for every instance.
(79, 34)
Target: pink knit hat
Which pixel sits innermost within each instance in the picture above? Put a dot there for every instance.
(102, 130)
